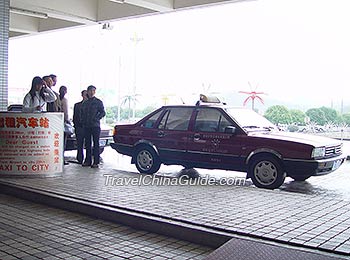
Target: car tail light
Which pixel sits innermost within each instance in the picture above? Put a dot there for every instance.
(115, 131)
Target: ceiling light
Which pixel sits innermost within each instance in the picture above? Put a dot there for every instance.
(118, 1)
(107, 26)
(28, 13)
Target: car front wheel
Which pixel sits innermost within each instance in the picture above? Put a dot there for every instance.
(266, 172)
(147, 161)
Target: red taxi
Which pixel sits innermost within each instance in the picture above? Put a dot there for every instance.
(216, 136)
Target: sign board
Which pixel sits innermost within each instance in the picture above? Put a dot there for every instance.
(31, 144)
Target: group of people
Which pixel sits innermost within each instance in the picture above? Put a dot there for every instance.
(86, 115)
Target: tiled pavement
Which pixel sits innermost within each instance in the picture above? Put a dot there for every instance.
(307, 220)
(31, 231)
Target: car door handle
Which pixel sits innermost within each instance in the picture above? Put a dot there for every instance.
(196, 137)
(160, 134)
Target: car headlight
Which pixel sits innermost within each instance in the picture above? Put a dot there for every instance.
(318, 152)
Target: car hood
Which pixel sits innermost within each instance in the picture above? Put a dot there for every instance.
(313, 140)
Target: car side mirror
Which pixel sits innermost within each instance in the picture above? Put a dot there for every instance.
(230, 129)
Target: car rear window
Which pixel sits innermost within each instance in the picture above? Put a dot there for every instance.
(150, 122)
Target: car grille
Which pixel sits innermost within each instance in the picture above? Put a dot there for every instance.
(334, 150)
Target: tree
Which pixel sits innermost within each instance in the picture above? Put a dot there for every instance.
(129, 99)
(278, 115)
(297, 116)
(125, 113)
(346, 118)
(316, 115)
(145, 111)
(330, 114)
(111, 114)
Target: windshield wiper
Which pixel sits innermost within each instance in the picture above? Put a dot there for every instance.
(269, 128)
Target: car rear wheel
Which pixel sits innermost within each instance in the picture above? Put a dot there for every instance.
(266, 172)
(147, 161)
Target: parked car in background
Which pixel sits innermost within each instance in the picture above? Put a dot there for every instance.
(212, 135)
(15, 108)
(106, 135)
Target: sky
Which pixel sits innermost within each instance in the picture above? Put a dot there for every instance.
(295, 51)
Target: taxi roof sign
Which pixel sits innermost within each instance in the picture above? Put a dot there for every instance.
(209, 99)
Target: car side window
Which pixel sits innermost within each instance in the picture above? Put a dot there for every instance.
(210, 120)
(150, 122)
(177, 118)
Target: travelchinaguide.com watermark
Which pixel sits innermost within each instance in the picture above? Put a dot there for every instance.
(150, 180)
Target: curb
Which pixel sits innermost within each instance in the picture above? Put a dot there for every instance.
(183, 231)
(223, 242)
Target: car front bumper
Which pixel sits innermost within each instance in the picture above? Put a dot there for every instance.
(329, 165)
(313, 167)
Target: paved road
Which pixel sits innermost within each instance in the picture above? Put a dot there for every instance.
(336, 184)
(30, 231)
(309, 214)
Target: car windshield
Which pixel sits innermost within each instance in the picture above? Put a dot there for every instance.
(250, 120)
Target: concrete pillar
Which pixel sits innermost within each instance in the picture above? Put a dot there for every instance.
(4, 43)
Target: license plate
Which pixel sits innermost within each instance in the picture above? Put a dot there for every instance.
(102, 143)
(336, 164)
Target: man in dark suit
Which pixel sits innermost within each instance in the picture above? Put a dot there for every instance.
(78, 127)
(92, 111)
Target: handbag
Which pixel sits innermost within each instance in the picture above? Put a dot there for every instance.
(68, 128)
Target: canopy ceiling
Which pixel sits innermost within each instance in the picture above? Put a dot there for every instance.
(36, 16)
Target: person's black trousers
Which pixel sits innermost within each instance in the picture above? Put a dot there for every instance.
(94, 134)
(80, 136)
